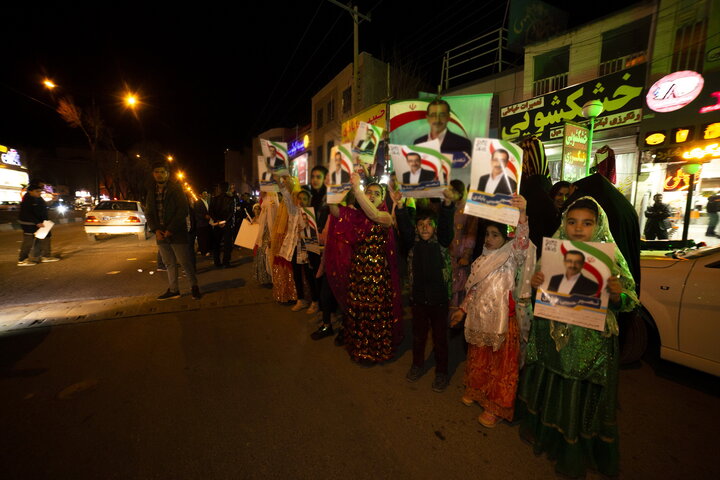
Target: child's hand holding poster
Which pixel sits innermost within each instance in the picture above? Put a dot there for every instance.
(423, 172)
(495, 176)
(574, 288)
(338, 177)
(276, 156)
(310, 232)
(365, 144)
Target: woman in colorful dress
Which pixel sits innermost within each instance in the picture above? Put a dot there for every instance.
(265, 220)
(491, 326)
(361, 264)
(568, 390)
(282, 274)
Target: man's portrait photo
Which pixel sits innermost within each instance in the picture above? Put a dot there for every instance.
(573, 282)
(417, 174)
(438, 116)
(498, 180)
(338, 175)
(274, 162)
(365, 143)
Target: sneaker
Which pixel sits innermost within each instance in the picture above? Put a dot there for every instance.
(168, 295)
(196, 292)
(49, 259)
(300, 305)
(313, 309)
(161, 269)
(26, 263)
(440, 383)
(414, 374)
(488, 420)
(322, 332)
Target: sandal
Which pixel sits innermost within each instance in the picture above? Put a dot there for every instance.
(468, 402)
(488, 420)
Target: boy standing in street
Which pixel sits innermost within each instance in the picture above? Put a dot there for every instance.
(33, 212)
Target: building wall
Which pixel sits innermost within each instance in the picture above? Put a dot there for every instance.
(585, 45)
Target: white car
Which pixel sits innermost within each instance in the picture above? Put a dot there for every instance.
(116, 217)
(680, 296)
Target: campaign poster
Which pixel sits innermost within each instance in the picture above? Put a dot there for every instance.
(417, 121)
(574, 290)
(276, 156)
(341, 164)
(267, 183)
(495, 176)
(365, 144)
(310, 232)
(421, 170)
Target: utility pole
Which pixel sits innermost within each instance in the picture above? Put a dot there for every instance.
(357, 17)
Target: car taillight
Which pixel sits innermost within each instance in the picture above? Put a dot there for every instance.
(91, 219)
(133, 220)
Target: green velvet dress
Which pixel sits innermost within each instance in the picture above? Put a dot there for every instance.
(568, 389)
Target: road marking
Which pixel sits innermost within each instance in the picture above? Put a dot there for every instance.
(114, 272)
(132, 258)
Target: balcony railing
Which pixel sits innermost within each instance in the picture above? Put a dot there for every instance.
(549, 84)
(617, 64)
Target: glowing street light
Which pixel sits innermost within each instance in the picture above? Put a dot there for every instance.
(181, 175)
(131, 100)
(170, 158)
(49, 84)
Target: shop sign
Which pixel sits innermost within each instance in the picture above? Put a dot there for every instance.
(711, 131)
(375, 115)
(11, 157)
(674, 91)
(575, 143)
(619, 92)
(712, 108)
(706, 153)
(295, 147)
(676, 180)
(655, 138)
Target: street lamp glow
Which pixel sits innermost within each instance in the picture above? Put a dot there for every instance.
(181, 175)
(49, 84)
(170, 158)
(131, 100)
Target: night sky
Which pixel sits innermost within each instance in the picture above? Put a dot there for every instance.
(209, 78)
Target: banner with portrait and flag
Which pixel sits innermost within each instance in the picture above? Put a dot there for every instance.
(341, 166)
(453, 120)
(574, 289)
(495, 177)
(422, 171)
(310, 234)
(276, 156)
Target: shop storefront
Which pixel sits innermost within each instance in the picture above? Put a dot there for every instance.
(680, 157)
(299, 154)
(615, 129)
(13, 177)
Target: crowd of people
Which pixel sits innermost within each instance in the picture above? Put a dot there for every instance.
(381, 250)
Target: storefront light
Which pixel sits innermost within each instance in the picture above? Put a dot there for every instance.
(681, 135)
(655, 138)
(712, 131)
(710, 151)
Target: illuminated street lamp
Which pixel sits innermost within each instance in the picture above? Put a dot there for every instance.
(49, 84)
(170, 158)
(592, 109)
(180, 175)
(131, 100)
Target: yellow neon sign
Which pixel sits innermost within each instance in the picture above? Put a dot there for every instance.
(712, 151)
(712, 131)
(681, 134)
(655, 139)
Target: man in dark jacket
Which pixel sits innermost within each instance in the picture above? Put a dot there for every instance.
(33, 212)
(222, 213)
(201, 212)
(167, 213)
(430, 274)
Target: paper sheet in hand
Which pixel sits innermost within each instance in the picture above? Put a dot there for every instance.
(43, 231)
(247, 235)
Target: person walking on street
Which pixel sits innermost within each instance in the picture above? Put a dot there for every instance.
(201, 210)
(222, 213)
(657, 220)
(713, 207)
(33, 212)
(166, 212)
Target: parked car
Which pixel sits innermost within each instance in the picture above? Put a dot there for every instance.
(680, 296)
(116, 217)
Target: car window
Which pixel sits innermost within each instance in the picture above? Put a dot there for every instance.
(114, 205)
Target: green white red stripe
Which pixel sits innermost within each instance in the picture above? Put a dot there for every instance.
(432, 159)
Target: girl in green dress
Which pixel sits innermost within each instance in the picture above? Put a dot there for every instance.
(568, 390)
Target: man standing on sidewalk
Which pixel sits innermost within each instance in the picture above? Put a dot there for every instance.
(33, 212)
(222, 212)
(166, 212)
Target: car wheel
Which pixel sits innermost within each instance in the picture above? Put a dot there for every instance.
(633, 336)
(147, 232)
(144, 235)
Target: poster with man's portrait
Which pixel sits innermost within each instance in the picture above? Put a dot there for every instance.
(365, 144)
(310, 233)
(495, 176)
(339, 169)
(265, 176)
(421, 170)
(455, 121)
(574, 289)
(276, 156)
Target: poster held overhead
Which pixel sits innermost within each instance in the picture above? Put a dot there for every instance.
(265, 176)
(341, 165)
(276, 156)
(422, 171)
(365, 144)
(574, 290)
(495, 176)
(310, 233)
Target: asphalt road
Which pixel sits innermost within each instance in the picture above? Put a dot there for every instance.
(242, 392)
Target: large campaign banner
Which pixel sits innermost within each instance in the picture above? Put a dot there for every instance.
(574, 290)
(366, 142)
(341, 165)
(310, 232)
(421, 170)
(265, 175)
(495, 176)
(416, 121)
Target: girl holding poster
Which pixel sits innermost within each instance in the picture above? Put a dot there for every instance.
(569, 385)
(491, 327)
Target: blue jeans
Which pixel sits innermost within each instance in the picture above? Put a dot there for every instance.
(172, 255)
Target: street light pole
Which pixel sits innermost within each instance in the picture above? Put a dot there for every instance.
(592, 109)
